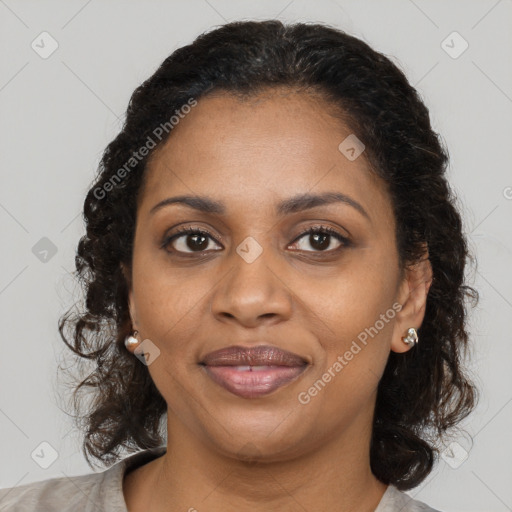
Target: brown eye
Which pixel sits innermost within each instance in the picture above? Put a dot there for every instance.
(321, 239)
(189, 240)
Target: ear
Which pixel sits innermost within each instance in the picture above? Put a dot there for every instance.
(126, 270)
(412, 296)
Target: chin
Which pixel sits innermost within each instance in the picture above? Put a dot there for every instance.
(260, 437)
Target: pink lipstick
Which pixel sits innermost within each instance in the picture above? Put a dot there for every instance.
(251, 372)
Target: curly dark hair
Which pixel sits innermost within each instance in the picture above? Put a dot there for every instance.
(423, 392)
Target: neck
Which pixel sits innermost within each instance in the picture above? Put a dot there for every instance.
(335, 475)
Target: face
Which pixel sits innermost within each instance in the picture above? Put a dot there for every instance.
(250, 274)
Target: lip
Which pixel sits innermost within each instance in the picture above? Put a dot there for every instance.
(251, 372)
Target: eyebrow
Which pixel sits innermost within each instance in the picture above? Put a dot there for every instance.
(292, 205)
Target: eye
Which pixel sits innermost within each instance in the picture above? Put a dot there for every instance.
(321, 238)
(188, 240)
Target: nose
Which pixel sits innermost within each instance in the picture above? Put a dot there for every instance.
(252, 293)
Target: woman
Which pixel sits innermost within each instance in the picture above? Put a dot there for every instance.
(274, 278)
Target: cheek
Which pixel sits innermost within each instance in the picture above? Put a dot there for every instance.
(167, 300)
(354, 297)
(355, 307)
(170, 315)
(357, 319)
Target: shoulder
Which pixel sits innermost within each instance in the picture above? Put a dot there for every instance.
(61, 493)
(394, 500)
(84, 493)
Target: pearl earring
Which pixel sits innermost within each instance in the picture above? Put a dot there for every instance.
(411, 338)
(131, 341)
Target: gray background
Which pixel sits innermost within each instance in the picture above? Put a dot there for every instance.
(59, 113)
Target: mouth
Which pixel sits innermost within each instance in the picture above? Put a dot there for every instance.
(251, 372)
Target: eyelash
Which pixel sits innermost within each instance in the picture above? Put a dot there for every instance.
(312, 230)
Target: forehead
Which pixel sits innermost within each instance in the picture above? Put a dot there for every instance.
(254, 151)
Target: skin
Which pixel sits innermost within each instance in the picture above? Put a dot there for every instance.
(227, 453)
